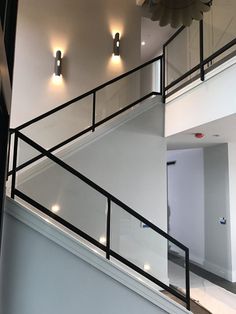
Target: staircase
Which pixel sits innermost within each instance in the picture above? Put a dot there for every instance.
(38, 144)
(110, 236)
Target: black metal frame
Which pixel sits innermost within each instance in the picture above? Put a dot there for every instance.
(8, 13)
(110, 199)
(8, 22)
(4, 125)
(202, 62)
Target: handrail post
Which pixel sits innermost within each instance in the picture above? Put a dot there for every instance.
(13, 182)
(94, 112)
(187, 279)
(9, 152)
(201, 38)
(160, 76)
(108, 235)
(163, 76)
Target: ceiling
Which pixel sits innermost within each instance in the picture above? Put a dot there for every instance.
(216, 132)
(154, 37)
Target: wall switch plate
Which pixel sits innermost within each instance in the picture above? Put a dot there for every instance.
(222, 220)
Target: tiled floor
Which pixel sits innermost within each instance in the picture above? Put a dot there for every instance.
(214, 298)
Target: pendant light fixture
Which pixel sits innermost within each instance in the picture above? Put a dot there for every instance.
(176, 12)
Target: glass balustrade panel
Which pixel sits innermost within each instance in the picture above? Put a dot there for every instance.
(61, 125)
(64, 194)
(145, 248)
(219, 30)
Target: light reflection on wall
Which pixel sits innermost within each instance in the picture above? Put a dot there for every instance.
(57, 80)
(57, 89)
(116, 26)
(58, 43)
(115, 65)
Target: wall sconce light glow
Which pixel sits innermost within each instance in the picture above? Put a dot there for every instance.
(116, 45)
(57, 80)
(57, 65)
(115, 59)
(58, 49)
(146, 267)
(55, 208)
(143, 43)
(102, 240)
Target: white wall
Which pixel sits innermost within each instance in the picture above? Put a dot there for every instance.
(208, 101)
(232, 202)
(217, 236)
(130, 163)
(83, 30)
(40, 276)
(186, 200)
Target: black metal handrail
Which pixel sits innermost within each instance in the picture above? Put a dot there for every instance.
(110, 199)
(202, 61)
(87, 130)
(91, 92)
(94, 124)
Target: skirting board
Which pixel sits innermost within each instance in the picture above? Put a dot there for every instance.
(219, 271)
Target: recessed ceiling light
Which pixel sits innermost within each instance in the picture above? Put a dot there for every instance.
(146, 267)
(55, 208)
(143, 43)
(102, 240)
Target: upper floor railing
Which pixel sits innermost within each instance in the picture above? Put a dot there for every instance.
(192, 52)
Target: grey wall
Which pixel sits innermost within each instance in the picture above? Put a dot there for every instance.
(186, 200)
(39, 276)
(217, 236)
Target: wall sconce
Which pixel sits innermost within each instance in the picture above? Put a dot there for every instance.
(116, 45)
(57, 67)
